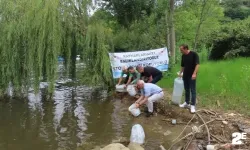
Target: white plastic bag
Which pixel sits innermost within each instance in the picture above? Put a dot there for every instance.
(137, 134)
(131, 90)
(134, 111)
(120, 88)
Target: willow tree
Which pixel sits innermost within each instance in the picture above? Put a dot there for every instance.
(33, 34)
(74, 21)
(98, 43)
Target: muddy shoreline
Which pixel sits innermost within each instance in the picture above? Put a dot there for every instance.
(206, 127)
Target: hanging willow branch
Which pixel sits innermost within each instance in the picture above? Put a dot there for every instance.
(98, 44)
(33, 34)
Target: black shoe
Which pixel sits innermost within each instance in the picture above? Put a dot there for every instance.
(149, 114)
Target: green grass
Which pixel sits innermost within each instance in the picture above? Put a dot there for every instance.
(225, 81)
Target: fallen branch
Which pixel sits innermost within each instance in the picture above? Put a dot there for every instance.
(190, 133)
(180, 140)
(208, 133)
(189, 142)
(184, 128)
(219, 119)
(218, 139)
(162, 148)
(209, 112)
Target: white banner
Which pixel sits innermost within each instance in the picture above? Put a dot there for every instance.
(157, 58)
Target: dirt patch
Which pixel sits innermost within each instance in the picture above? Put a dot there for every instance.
(206, 127)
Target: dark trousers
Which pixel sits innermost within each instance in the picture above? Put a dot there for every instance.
(156, 79)
(190, 86)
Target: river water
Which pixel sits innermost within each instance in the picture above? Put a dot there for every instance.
(77, 118)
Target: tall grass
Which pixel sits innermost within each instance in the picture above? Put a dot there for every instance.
(225, 81)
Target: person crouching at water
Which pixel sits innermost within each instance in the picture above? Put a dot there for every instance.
(134, 74)
(126, 81)
(150, 93)
(154, 75)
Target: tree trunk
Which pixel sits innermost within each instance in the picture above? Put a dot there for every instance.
(167, 29)
(73, 58)
(172, 32)
(201, 20)
(197, 36)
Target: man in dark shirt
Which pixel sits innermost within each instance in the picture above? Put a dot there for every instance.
(189, 68)
(154, 75)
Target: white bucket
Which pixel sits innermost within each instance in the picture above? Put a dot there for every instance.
(178, 91)
(134, 111)
(131, 90)
(120, 88)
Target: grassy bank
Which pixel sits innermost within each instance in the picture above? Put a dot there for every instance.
(225, 81)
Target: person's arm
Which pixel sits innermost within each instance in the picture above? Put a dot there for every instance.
(197, 62)
(140, 98)
(146, 95)
(182, 67)
(196, 69)
(120, 80)
(150, 79)
(129, 79)
(145, 99)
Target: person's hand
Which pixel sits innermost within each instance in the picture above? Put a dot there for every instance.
(137, 105)
(194, 76)
(180, 75)
(125, 86)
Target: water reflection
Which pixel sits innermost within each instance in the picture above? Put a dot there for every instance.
(75, 117)
(46, 124)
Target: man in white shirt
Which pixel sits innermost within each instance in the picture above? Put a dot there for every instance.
(150, 93)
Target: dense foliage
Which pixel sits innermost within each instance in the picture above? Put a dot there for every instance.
(237, 9)
(97, 43)
(34, 33)
(231, 40)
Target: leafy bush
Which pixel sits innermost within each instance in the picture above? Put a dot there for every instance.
(231, 40)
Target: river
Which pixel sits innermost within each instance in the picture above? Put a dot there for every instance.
(77, 118)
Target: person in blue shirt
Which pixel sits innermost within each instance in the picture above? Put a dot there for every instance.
(150, 93)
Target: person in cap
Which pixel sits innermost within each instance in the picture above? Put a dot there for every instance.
(150, 93)
(153, 74)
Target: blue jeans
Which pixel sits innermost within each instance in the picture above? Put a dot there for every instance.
(190, 86)
(156, 79)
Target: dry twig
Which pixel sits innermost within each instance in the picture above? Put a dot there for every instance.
(190, 133)
(184, 128)
(189, 142)
(208, 133)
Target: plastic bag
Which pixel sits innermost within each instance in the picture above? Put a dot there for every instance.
(134, 111)
(120, 88)
(131, 90)
(137, 134)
